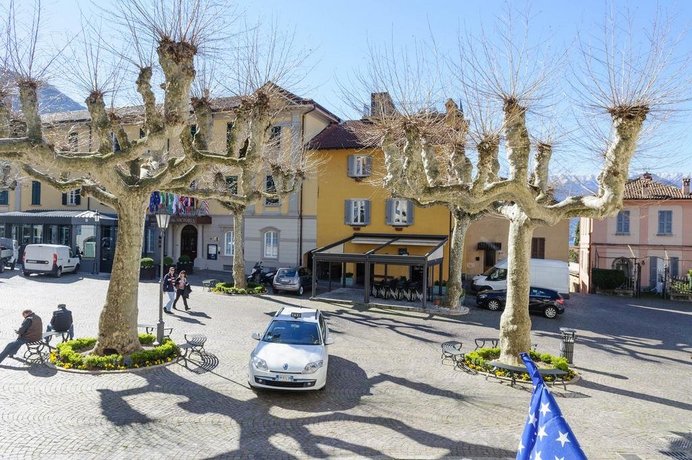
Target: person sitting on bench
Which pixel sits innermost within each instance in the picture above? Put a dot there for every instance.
(61, 322)
(31, 330)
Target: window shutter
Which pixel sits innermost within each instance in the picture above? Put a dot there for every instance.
(77, 198)
(388, 203)
(347, 212)
(367, 212)
(409, 210)
(368, 165)
(64, 198)
(351, 165)
(674, 267)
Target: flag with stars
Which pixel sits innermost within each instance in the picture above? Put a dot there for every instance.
(547, 435)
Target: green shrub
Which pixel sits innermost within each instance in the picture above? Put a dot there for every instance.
(68, 355)
(607, 279)
(228, 288)
(146, 262)
(184, 259)
(168, 260)
(479, 359)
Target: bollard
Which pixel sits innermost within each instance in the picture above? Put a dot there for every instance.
(567, 344)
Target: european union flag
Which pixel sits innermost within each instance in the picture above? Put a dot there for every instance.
(547, 435)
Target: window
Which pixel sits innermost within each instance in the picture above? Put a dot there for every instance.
(399, 212)
(228, 244)
(4, 198)
(665, 222)
(73, 141)
(35, 193)
(149, 241)
(538, 248)
(623, 223)
(270, 187)
(229, 134)
(271, 244)
(359, 165)
(357, 212)
(275, 136)
(71, 198)
(232, 184)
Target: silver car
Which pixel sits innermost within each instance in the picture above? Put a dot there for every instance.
(292, 279)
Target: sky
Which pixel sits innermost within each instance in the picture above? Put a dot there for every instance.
(336, 38)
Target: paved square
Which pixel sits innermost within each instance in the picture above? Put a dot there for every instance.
(387, 395)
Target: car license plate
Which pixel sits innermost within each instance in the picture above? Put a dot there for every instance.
(284, 378)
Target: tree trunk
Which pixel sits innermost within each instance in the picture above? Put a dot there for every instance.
(515, 323)
(238, 248)
(462, 220)
(118, 322)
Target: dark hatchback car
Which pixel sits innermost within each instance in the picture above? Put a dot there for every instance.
(292, 279)
(544, 301)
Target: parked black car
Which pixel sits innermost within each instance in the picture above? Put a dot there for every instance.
(292, 279)
(544, 301)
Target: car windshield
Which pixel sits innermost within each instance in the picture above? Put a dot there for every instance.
(287, 272)
(292, 333)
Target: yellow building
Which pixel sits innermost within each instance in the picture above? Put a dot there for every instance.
(357, 215)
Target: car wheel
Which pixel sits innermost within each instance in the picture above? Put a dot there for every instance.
(301, 290)
(550, 312)
(494, 305)
(58, 272)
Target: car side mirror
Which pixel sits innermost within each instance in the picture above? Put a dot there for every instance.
(329, 341)
(257, 336)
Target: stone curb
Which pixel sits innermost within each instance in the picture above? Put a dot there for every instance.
(114, 371)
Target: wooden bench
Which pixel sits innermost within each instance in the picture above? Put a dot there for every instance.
(151, 329)
(518, 370)
(452, 350)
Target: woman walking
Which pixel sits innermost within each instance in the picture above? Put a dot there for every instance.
(182, 289)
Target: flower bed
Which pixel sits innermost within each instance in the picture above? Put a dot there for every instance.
(228, 288)
(478, 360)
(74, 354)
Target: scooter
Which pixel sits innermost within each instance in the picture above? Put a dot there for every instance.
(260, 276)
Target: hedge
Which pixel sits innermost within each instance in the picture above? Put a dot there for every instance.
(607, 279)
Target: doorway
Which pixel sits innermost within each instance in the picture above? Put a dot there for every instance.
(188, 242)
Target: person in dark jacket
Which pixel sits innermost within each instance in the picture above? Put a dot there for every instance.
(61, 321)
(182, 289)
(31, 330)
(169, 288)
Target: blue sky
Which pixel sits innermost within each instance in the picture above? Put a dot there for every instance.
(338, 34)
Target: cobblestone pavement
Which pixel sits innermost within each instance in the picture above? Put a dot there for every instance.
(387, 396)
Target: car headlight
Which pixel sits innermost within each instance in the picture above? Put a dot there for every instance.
(311, 368)
(259, 364)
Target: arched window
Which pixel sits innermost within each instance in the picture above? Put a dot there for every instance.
(271, 244)
(228, 244)
(624, 265)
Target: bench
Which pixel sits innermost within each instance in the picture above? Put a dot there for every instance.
(518, 370)
(480, 342)
(35, 350)
(210, 283)
(194, 343)
(151, 329)
(452, 350)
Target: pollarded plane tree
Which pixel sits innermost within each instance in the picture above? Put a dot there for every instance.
(626, 95)
(243, 184)
(125, 179)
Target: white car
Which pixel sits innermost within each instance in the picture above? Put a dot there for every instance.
(292, 353)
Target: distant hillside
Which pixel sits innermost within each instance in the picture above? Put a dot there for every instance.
(51, 100)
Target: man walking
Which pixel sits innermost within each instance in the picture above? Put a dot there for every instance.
(61, 321)
(169, 289)
(31, 330)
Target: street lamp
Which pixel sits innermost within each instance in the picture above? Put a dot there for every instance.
(97, 218)
(162, 220)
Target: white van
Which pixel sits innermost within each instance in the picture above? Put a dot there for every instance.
(49, 258)
(544, 273)
(9, 253)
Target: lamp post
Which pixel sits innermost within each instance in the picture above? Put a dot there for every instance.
(162, 220)
(97, 218)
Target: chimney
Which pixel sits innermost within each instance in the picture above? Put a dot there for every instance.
(686, 186)
(381, 105)
(646, 175)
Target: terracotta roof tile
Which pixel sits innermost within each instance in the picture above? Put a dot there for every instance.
(645, 188)
(341, 136)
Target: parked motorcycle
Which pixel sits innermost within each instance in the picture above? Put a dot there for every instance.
(261, 276)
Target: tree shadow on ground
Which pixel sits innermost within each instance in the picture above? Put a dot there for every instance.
(258, 424)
